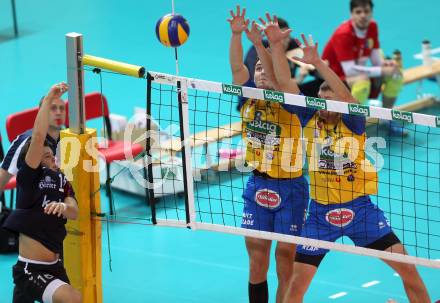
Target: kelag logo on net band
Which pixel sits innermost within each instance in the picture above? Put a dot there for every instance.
(359, 110)
(316, 103)
(402, 116)
(273, 96)
(437, 121)
(232, 90)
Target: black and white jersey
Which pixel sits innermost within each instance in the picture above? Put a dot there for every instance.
(10, 162)
(35, 189)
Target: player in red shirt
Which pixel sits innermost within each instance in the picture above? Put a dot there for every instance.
(350, 48)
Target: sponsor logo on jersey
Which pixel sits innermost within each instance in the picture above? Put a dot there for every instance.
(267, 198)
(269, 156)
(263, 127)
(273, 96)
(316, 103)
(47, 182)
(339, 217)
(232, 90)
(359, 110)
(402, 116)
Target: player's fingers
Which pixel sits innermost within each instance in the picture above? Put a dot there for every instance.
(298, 59)
(304, 39)
(49, 208)
(262, 20)
(54, 210)
(287, 32)
(268, 17)
(60, 210)
(311, 40)
(243, 12)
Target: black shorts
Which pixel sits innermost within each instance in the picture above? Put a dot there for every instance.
(37, 282)
(381, 244)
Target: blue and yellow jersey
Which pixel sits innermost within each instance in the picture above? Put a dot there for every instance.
(272, 133)
(339, 171)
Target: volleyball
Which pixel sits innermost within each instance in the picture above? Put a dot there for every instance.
(172, 30)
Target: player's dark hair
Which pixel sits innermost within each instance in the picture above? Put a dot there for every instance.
(282, 23)
(24, 150)
(360, 3)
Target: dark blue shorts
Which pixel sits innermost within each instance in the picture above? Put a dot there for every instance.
(360, 220)
(275, 205)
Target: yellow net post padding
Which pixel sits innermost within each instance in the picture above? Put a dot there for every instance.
(82, 246)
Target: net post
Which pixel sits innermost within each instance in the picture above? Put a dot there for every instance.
(182, 97)
(75, 79)
(148, 174)
(82, 246)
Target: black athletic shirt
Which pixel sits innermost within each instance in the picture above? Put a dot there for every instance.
(35, 189)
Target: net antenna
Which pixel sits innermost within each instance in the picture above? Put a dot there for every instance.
(175, 49)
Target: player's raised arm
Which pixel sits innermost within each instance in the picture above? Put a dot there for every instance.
(238, 22)
(280, 65)
(41, 126)
(311, 56)
(255, 36)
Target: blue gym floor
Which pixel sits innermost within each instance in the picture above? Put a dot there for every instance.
(158, 264)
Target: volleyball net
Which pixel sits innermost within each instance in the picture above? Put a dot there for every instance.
(198, 171)
(186, 155)
(193, 169)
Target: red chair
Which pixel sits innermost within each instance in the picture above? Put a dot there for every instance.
(12, 183)
(20, 122)
(96, 106)
(16, 124)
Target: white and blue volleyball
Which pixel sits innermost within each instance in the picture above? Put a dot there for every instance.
(172, 30)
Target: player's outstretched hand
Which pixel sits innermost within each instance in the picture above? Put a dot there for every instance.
(310, 50)
(238, 21)
(255, 34)
(272, 29)
(57, 90)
